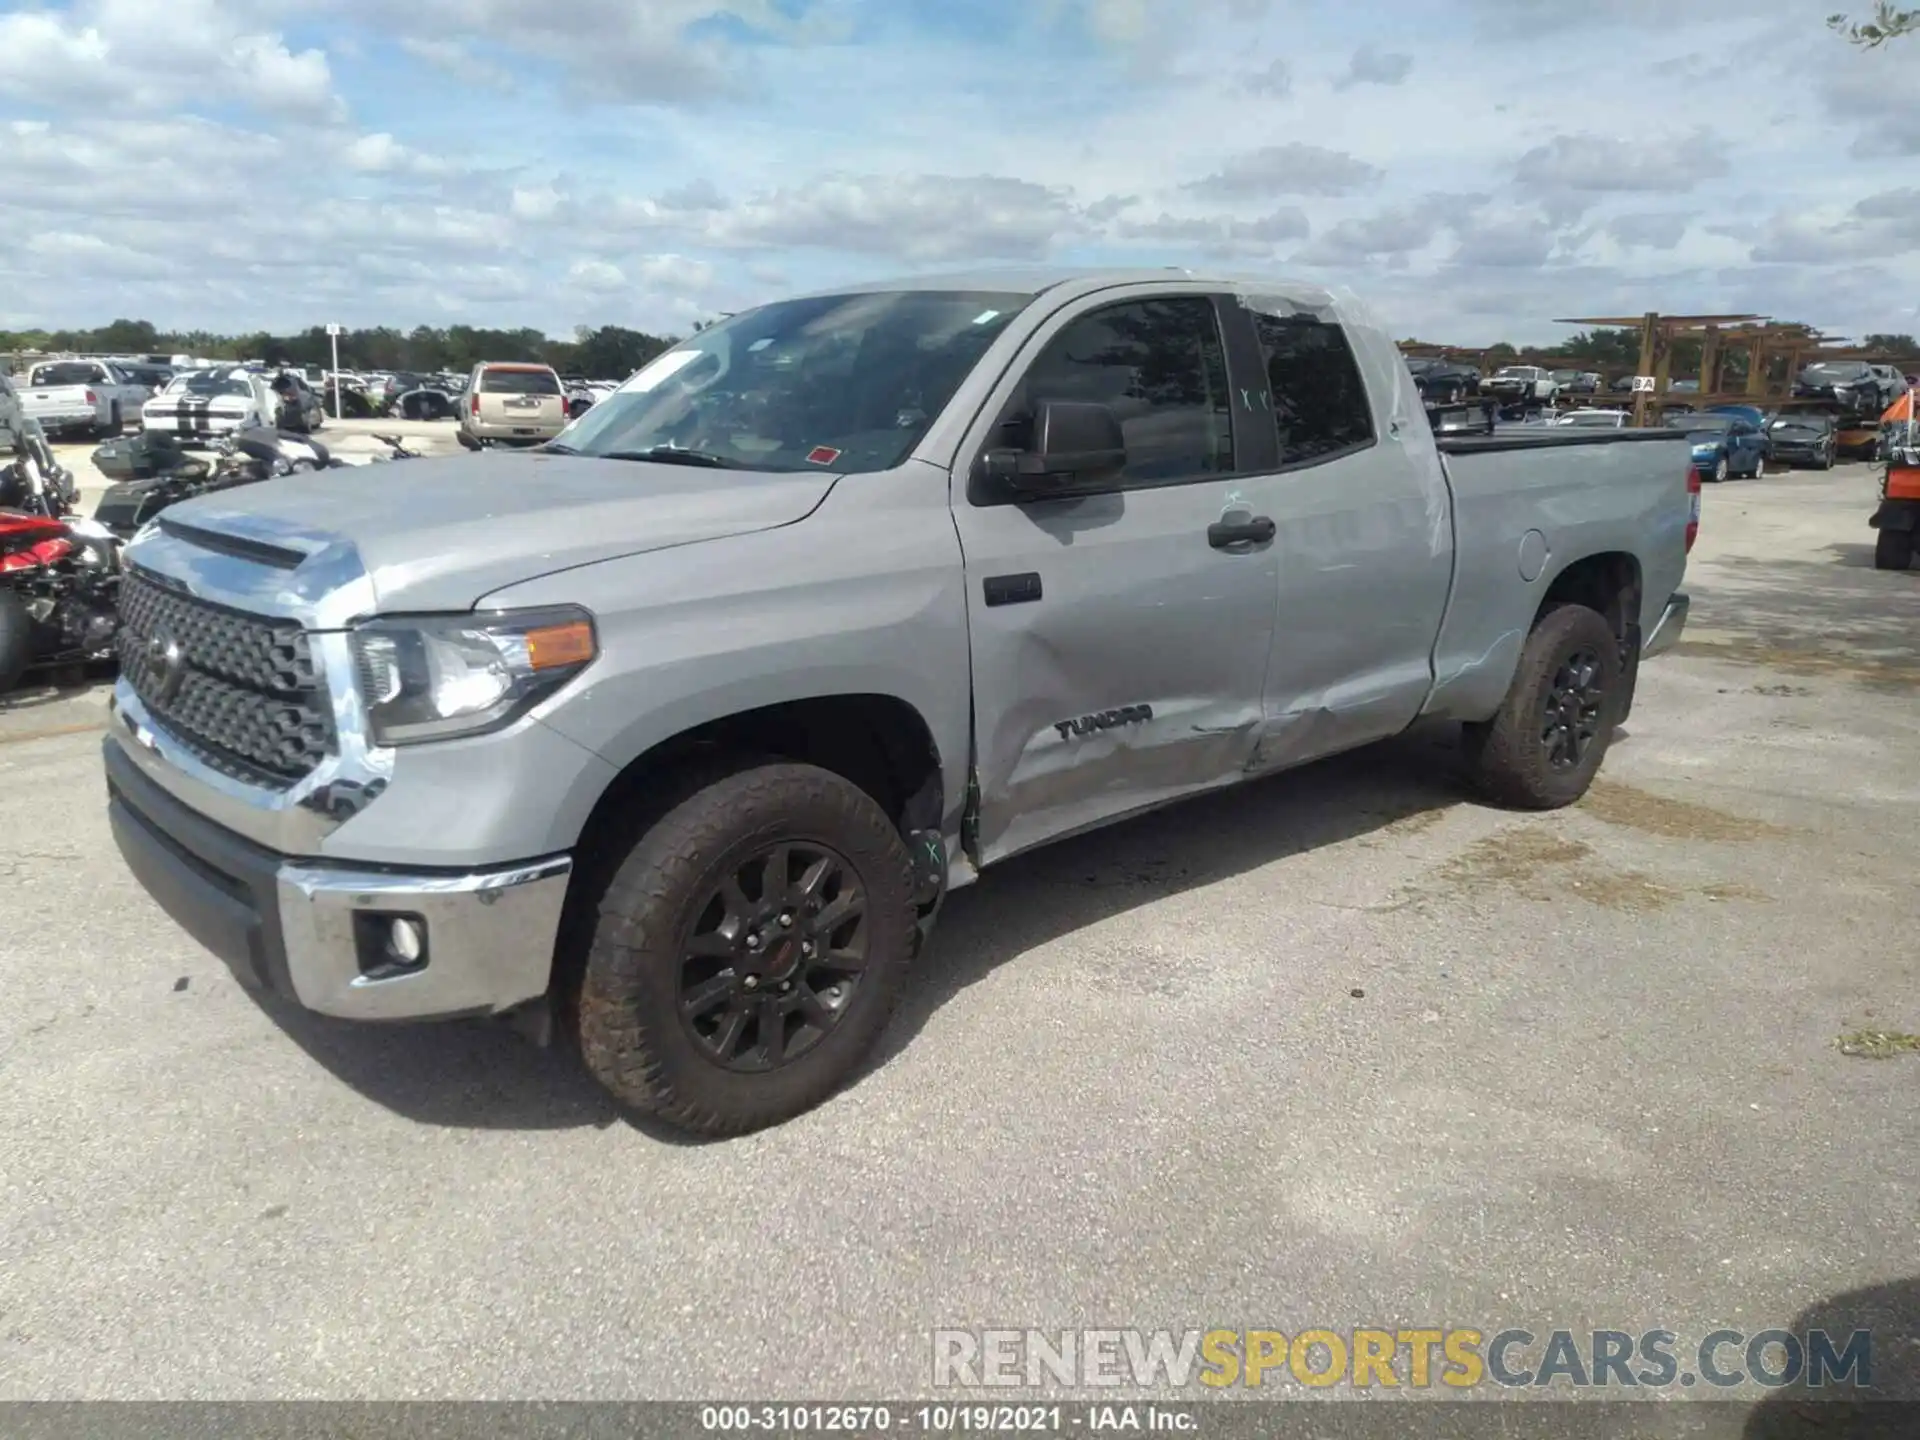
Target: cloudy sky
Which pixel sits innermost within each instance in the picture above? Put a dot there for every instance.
(1474, 167)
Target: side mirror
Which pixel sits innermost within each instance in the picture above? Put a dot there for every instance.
(1077, 446)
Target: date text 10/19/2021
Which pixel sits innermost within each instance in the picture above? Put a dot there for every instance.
(948, 1419)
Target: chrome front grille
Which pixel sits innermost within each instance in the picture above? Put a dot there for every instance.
(243, 692)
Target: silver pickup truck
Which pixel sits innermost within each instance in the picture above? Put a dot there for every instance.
(671, 735)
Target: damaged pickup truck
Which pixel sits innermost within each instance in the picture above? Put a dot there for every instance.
(671, 735)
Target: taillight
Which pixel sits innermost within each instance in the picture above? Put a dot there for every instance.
(92, 399)
(1693, 506)
(476, 404)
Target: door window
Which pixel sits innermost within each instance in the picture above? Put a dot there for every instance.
(1319, 399)
(1160, 366)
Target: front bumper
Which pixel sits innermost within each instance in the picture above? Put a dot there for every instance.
(1666, 630)
(314, 933)
(195, 425)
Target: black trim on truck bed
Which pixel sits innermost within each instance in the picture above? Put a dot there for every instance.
(1545, 437)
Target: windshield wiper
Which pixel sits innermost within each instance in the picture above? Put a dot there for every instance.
(554, 447)
(674, 455)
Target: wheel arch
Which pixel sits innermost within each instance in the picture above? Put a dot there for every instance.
(1612, 583)
(879, 742)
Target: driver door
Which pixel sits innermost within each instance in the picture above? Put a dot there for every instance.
(1120, 639)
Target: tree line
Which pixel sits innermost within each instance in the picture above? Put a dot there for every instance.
(605, 352)
(1619, 350)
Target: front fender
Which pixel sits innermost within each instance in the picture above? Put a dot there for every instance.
(866, 596)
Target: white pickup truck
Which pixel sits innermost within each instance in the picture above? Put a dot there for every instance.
(81, 395)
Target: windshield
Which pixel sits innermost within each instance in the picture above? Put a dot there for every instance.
(840, 382)
(511, 382)
(1700, 422)
(1826, 374)
(207, 383)
(71, 373)
(1592, 420)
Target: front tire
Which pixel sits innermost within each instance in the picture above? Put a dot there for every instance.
(1720, 470)
(748, 950)
(1543, 748)
(1892, 549)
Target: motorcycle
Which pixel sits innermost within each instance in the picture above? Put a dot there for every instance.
(59, 573)
(150, 472)
(35, 480)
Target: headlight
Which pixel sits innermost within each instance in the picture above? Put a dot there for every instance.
(431, 677)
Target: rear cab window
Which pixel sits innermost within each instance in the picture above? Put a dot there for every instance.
(518, 380)
(1320, 401)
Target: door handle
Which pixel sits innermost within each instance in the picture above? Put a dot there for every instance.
(1225, 534)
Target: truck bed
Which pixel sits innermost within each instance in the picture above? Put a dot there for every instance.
(1524, 498)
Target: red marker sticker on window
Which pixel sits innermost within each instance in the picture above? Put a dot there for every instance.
(822, 455)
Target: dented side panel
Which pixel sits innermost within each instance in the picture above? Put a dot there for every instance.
(1365, 561)
(1137, 675)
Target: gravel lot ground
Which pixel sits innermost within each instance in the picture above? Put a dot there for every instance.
(1340, 1049)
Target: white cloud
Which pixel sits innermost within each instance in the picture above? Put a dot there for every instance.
(381, 154)
(1371, 66)
(1275, 78)
(918, 219)
(1474, 166)
(457, 59)
(1291, 169)
(138, 55)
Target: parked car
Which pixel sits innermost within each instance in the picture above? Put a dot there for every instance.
(1444, 382)
(200, 405)
(1854, 385)
(1803, 438)
(1577, 382)
(89, 397)
(1724, 446)
(1525, 383)
(511, 405)
(676, 735)
(313, 409)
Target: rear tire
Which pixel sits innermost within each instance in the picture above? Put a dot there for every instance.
(16, 640)
(1826, 458)
(1892, 549)
(1544, 746)
(677, 1000)
(1759, 469)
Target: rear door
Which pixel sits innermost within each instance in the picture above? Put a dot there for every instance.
(1120, 638)
(1364, 548)
(521, 400)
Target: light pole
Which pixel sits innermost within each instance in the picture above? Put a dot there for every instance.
(333, 335)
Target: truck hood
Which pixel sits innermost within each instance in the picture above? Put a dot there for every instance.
(440, 534)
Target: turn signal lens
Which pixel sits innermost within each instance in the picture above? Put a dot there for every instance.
(554, 647)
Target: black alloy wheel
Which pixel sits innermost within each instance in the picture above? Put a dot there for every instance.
(1570, 716)
(775, 956)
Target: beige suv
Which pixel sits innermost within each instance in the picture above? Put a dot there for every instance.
(511, 404)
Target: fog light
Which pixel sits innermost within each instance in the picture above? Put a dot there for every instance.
(407, 942)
